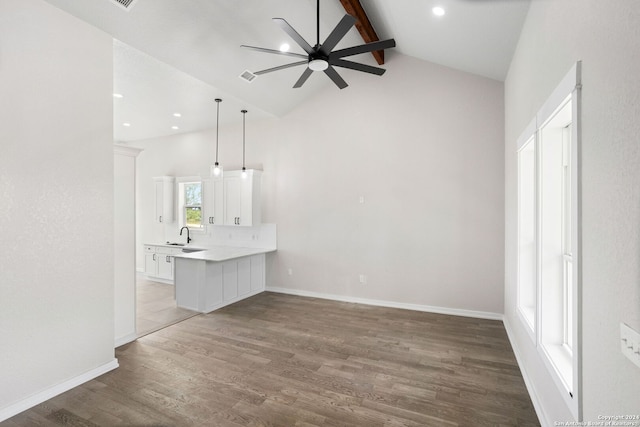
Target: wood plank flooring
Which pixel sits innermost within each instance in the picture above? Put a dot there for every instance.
(156, 306)
(280, 360)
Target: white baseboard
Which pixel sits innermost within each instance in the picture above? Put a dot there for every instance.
(542, 416)
(126, 339)
(36, 399)
(390, 304)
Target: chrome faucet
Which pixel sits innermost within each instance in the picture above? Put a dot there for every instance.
(188, 238)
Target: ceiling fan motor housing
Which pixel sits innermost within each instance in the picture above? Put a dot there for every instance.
(318, 61)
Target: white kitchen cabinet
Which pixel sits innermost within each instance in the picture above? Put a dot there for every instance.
(164, 199)
(213, 200)
(159, 262)
(205, 286)
(242, 198)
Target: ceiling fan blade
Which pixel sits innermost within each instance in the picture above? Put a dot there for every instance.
(293, 34)
(356, 66)
(281, 67)
(337, 34)
(333, 75)
(363, 48)
(303, 78)
(277, 52)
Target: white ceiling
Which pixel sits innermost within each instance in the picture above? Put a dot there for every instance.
(178, 56)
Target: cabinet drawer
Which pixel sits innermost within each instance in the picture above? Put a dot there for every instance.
(149, 249)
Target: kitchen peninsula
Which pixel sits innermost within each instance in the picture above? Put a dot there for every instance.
(212, 278)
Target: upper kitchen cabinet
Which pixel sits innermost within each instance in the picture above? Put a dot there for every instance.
(242, 198)
(213, 199)
(164, 195)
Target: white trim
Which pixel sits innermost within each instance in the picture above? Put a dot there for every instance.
(36, 399)
(183, 179)
(389, 304)
(125, 150)
(537, 405)
(528, 133)
(566, 87)
(126, 339)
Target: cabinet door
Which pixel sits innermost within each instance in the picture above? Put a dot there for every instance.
(165, 266)
(168, 207)
(229, 280)
(150, 264)
(232, 200)
(241, 199)
(213, 190)
(244, 276)
(159, 197)
(163, 194)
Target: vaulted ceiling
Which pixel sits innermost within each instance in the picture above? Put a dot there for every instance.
(177, 56)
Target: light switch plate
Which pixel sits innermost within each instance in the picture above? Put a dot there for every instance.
(630, 343)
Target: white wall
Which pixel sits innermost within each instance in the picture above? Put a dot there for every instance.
(606, 37)
(56, 214)
(422, 144)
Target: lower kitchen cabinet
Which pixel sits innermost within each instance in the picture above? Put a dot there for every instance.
(205, 286)
(159, 262)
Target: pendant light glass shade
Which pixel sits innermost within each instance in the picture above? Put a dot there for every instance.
(244, 169)
(217, 170)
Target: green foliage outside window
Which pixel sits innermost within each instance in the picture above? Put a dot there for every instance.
(193, 204)
(194, 216)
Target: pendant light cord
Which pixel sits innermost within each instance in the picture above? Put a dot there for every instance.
(318, 22)
(244, 115)
(218, 101)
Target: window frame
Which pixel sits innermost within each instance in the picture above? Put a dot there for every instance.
(529, 136)
(182, 205)
(558, 347)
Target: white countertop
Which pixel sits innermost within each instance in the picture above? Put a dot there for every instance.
(222, 253)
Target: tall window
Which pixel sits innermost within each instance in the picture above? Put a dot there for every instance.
(190, 204)
(526, 232)
(567, 288)
(548, 270)
(556, 262)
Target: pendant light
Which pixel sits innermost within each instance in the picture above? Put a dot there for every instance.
(216, 167)
(244, 170)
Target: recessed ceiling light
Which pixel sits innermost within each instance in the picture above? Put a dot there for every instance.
(175, 127)
(284, 47)
(438, 11)
(177, 115)
(118, 95)
(126, 125)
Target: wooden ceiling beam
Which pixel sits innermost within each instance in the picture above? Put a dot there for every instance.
(354, 8)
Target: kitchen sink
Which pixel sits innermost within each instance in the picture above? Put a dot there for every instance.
(190, 250)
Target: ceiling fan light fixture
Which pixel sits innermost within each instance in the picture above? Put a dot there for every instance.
(318, 65)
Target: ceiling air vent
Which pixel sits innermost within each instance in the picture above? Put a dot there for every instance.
(248, 76)
(125, 4)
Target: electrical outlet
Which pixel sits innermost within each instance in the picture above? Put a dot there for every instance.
(290, 272)
(361, 200)
(363, 279)
(630, 343)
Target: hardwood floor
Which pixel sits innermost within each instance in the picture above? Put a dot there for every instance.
(280, 360)
(156, 306)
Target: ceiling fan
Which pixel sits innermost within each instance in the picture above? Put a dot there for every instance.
(322, 57)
